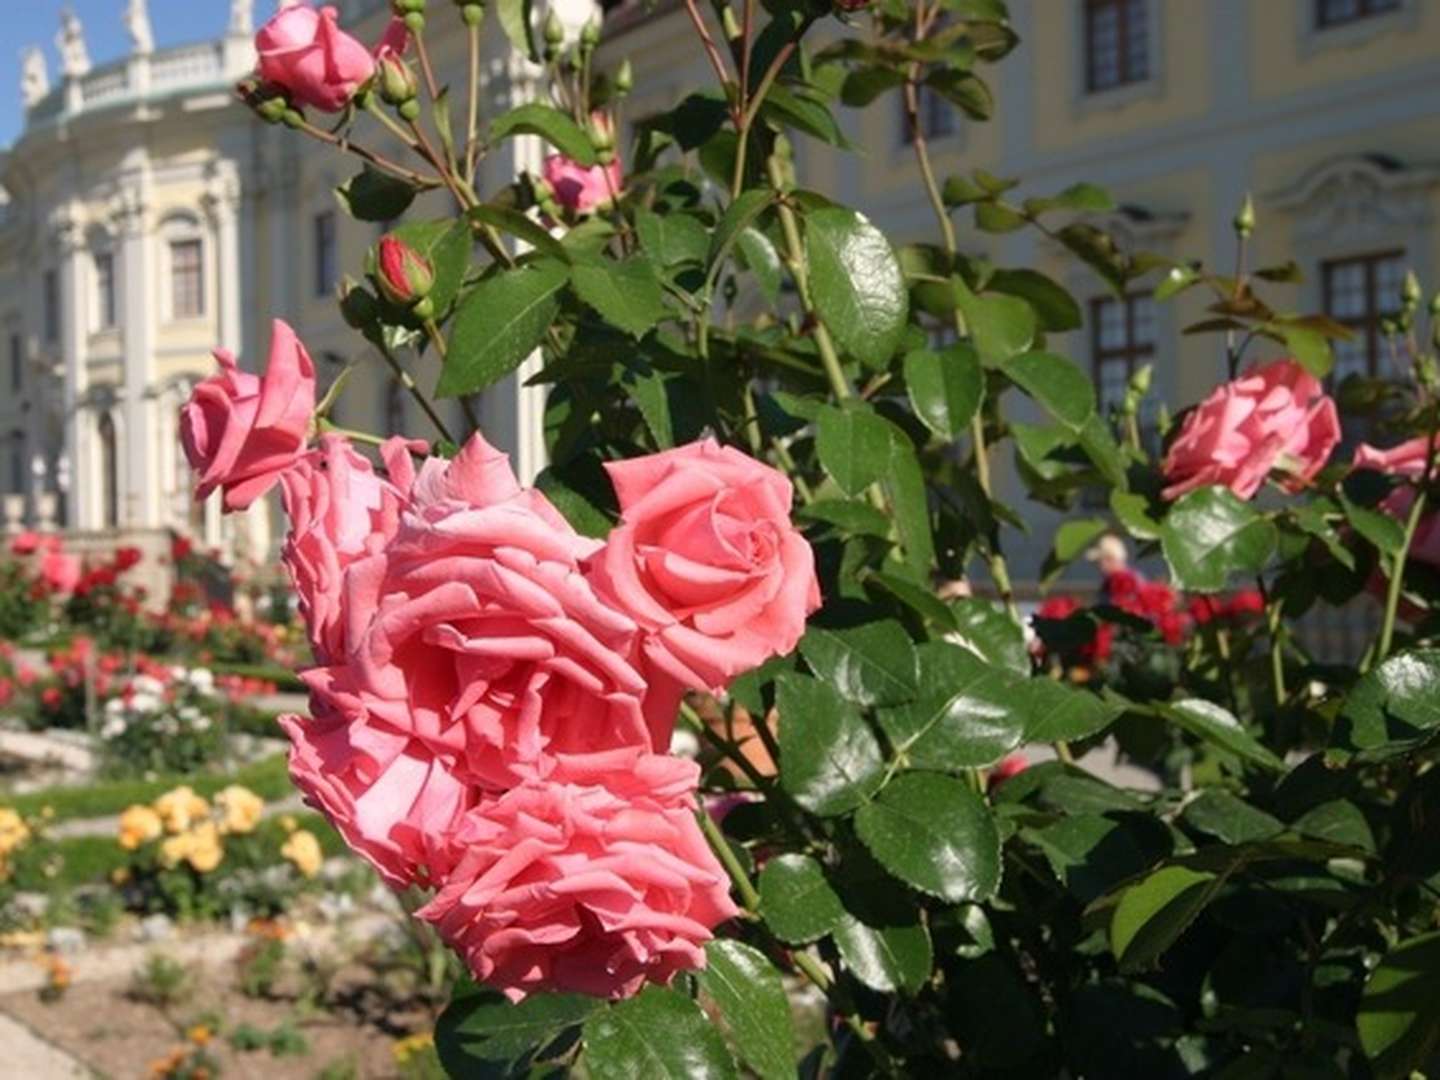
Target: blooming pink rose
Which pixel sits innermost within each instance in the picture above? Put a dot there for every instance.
(241, 431)
(305, 52)
(1408, 459)
(60, 571)
(1276, 416)
(25, 543)
(584, 189)
(593, 881)
(1424, 547)
(706, 561)
(392, 800)
(475, 632)
(340, 510)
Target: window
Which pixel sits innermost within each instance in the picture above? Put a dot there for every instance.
(109, 472)
(938, 118)
(325, 261)
(1117, 43)
(1359, 292)
(1330, 13)
(51, 286)
(17, 362)
(187, 279)
(104, 290)
(1122, 339)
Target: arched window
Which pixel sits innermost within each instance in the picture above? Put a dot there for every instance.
(109, 472)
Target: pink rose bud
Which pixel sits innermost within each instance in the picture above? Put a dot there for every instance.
(1408, 459)
(403, 275)
(1276, 417)
(305, 52)
(241, 431)
(581, 189)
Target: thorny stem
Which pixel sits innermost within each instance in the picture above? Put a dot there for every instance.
(473, 111)
(380, 161)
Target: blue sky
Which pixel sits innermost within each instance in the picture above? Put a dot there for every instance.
(34, 22)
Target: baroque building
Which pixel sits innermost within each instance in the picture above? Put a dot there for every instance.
(150, 219)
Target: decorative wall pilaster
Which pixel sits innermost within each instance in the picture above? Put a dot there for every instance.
(65, 242)
(139, 497)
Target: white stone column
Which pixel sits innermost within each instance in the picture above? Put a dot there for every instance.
(65, 238)
(139, 480)
(222, 207)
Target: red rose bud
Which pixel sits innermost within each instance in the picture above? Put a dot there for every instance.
(402, 274)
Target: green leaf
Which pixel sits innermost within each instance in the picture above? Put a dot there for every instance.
(499, 324)
(1339, 821)
(1056, 308)
(1399, 1015)
(909, 500)
(1057, 712)
(1208, 721)
(829, 759)
(754, 1005)
(848, 515)
(480, 1030)
(626, 293)
(1382, 530)
(986, 628)
(935, 834)
(945, 388)
(1072, 539)
(739, 216)
(1310, 347)
(1092, 853)
(1001, 326)
(522, 228)
(964, 90)
(784, 107)
(1210, 534)
(880, 937)
(864, 85)
(552, 125)
(998, 217)
(371, 195)
(1229, 818)
(1394, 708)
(580, 504)
(659, 1034)
(1133, 512)
(673, 239)
(856, 284)
(854, 446)
(762, 260)
(1081, 197)
(516, 20)
(1056, 383)
(796, 900)
(966, 714)
(1153, 914)
(870, 664)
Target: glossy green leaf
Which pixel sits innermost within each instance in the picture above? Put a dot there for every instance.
(1310, 347)
(853, 516)
(517, 19)
(521, 227)
(498, 324)
(552, 125)
(1153, 913)
(1340, 821)
(482, 1032)
(1133, 512)
(854, 446)
(829, 758)
(1382, 530)
(797, 902)
(856, 283)
(945, 388)
(1394, 708)
(1056, 308)
(1092, 853)
(657, 1033)
(761, 259)
(1215, 725)
(626, 293)
(1057, 384)
(1210, 535)
(739, 216)
(935, 834)
(1229, 818)
(1001, 326)
(967, 713)
(371, 195)
(1054, 712)
(672, 239)
(1072, 539)
(1399, 1015)
(986, 628)
(753, 1005)
(870, 664)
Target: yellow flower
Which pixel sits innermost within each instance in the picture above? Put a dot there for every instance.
(240, 809)
(206, 851)
(200, 1034)
(13, 830)
(288, 823)
(180, 808)
(406, 1048)
(175, 849)
(139, 825)
(303, 850)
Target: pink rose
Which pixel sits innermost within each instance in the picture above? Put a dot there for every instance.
(60, 571)
(340, 510)
(1424, 546)
(594, 881)
(706, 561)
(241, 431)
(392, 800)
(305, 52)
(1273, 417)
(475, 632)
(1408, 459)
(26, 543)
(584, 189)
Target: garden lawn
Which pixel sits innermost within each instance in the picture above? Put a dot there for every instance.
(268, 778)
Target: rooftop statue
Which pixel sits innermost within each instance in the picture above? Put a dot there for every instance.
(34, 77)
(74, 56)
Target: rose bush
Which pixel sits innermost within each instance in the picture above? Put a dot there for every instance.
(773, 535)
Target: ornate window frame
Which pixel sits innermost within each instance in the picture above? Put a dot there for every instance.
(1312, 38)
(1085, 101)
(177, 227)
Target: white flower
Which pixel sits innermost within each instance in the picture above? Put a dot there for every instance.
(203, 680)
(113, 727)
(145, 703)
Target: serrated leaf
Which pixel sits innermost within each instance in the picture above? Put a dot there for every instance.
(1152, 914)
(965, 716)
(1001, 326)
(870, 664)
(1210, 534)
(1229, 818)
(856, 284)
(659, 1034)
(482, 1031)
(371, 195)
(1216, 725)
(829, 759)
(498, 324)
(522, 228)
(853, 445)
(552, 125)
(626, 293)
(754, 1006)
(797, 902)
(1056, 383)
(945, 388)
(935, 834)
(1394, 708)
(1399, 1015)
